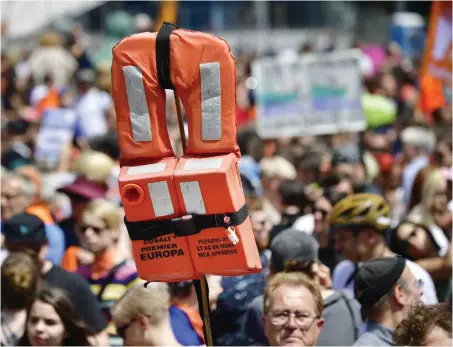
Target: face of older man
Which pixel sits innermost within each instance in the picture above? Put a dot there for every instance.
(13, 199)
(292, 319)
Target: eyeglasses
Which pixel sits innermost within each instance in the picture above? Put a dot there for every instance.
(303, 320)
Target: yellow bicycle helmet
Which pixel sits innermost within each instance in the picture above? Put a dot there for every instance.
(361, 210)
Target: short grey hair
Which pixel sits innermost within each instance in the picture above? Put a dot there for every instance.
(420, 138)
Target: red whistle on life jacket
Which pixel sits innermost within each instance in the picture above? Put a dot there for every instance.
(187, 216)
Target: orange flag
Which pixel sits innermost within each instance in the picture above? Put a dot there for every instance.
(437, 58)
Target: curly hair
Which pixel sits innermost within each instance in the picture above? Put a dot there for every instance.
(413, 330)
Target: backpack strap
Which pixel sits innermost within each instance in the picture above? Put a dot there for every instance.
(348, 300)
(109, 279)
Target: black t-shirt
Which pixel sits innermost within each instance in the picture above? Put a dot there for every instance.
(82, 297)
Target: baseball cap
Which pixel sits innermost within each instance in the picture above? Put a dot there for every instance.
(376, 278)
(24, 228)
(292, 244)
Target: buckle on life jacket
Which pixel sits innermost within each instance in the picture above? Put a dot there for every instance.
(184, 226)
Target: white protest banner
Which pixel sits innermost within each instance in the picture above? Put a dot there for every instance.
(57, 128)
(314, 95)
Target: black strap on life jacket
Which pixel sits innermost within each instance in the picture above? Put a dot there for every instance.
(163, 55)
(184, 226)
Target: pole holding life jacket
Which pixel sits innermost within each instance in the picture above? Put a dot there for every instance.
(185, 217)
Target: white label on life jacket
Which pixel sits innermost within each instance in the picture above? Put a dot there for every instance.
(138, 107)
(211, 123)
(193, 200)
(144, 169)
(203, 164)
(161, 199)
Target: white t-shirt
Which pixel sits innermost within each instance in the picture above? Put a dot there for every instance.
(345, 268)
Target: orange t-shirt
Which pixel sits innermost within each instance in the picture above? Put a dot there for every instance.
(101, 264)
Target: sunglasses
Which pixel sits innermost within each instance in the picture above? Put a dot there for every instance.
(315, 209)
(379, 150)
(121, 331)
(83, 228)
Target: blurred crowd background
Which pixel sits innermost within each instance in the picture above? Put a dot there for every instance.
(66, 255)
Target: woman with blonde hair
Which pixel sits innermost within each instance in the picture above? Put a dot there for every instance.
(429, 201)
(108, 277)
(419, 236)
(142, 316)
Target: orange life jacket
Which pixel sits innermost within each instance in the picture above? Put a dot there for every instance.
(187, 216)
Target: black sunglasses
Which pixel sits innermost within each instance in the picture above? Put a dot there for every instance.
(84, 227)
(121, 331)
(315, 209)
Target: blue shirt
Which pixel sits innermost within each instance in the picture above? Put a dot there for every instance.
(182, 328)
(375, 335)
(56, 243)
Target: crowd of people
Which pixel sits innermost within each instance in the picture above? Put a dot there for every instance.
(353, 229)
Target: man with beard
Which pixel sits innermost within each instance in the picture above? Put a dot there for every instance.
(386, 290)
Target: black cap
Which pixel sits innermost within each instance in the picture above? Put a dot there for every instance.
(375, 278)
(292, 244)
(24, 228)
